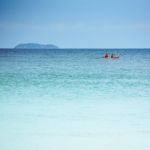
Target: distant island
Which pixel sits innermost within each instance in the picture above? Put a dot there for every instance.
(35, 46)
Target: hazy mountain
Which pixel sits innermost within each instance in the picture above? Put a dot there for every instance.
(35, 46)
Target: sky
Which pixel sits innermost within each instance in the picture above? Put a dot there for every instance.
(76, 23)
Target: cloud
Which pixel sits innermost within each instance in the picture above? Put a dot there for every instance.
(59, 26)
(77, 26)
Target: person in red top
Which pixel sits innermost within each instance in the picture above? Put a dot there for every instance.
(106, 55)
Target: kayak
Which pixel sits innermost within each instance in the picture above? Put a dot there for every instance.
(105, 57)
(115, 57)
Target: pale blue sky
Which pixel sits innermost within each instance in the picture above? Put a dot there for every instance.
(76, 23)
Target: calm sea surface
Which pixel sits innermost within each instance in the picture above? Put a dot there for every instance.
(72, 99)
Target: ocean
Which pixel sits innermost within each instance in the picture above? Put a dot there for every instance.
(73, 99)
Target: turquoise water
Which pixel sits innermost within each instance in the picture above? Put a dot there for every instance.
(74, 100)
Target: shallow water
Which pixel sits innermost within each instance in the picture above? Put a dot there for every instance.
(73, 99)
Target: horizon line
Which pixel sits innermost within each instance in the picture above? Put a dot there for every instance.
(77, 48)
